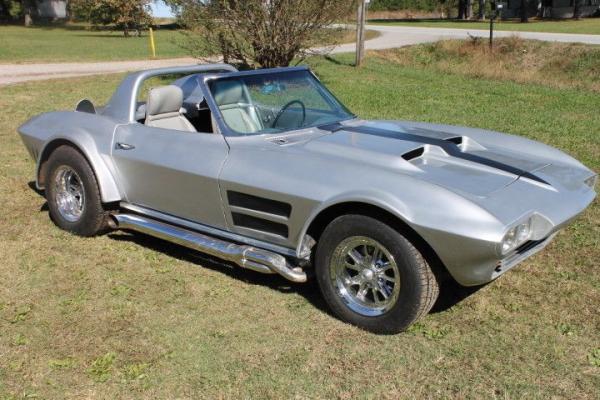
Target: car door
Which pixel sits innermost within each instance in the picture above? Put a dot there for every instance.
(171, 171)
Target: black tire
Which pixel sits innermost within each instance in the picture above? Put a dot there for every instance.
(93, 219)
(418, 288)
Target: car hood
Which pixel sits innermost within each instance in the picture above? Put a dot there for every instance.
(481, 163)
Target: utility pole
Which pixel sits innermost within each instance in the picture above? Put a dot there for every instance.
(360, 31)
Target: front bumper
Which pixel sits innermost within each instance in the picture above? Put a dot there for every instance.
(472, 261)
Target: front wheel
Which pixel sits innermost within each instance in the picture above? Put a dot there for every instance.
(371, 276)
(73, 195)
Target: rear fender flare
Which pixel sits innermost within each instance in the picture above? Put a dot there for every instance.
(84, 143)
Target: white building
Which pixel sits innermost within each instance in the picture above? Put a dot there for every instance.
(54, 9)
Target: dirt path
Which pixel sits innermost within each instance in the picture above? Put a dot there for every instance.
(14, 73)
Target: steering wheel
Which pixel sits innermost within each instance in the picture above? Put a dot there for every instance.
(284, 109)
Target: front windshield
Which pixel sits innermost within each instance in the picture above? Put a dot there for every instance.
(275, 102)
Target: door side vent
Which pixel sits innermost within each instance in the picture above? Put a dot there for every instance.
(259, 224)
(261, 204)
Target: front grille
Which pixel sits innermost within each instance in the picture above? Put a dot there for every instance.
(527, 249)
(529, 245)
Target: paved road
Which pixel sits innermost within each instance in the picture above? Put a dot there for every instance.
(398, 36)
(390, 37)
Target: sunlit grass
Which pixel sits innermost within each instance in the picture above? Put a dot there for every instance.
(132, 317)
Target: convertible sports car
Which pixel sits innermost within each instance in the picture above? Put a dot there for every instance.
(268, 170)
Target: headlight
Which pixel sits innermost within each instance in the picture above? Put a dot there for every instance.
(516, 236)
(591, 181)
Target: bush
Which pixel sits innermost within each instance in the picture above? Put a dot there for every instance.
(258, 33)
(395, 5)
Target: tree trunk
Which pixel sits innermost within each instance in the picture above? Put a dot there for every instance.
(576, 9)
(469, 11)
(524, 11)
(28, 11)
(481, 15)
(224, 49)
(462, 9)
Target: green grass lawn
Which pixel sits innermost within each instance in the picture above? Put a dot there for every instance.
(76, 43)
(589, 26)
(133, 317)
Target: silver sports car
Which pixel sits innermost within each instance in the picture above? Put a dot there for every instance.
(266, 169)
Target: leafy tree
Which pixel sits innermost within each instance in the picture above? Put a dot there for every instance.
(9, 9)
(265, 33)
(12, 10)
(126, 15)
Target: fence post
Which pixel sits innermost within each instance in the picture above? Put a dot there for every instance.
(152, 46)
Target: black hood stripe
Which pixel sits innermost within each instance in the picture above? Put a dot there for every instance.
(449, 147)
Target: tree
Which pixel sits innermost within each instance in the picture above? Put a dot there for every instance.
(12, 10)
(524, 11)
(265, 33)
(465, 9)
(126, 15)
(481, 13)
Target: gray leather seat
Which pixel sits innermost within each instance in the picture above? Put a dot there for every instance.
(238, 114)
(163, 109)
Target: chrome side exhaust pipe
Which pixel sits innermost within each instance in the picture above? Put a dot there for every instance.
(264, 261)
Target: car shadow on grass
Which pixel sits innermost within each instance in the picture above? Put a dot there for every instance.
(451, 293)
(308, 290)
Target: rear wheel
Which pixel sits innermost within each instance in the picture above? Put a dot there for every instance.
(73, 195)
(372, 276)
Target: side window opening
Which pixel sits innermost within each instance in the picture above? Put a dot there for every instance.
(194, 108)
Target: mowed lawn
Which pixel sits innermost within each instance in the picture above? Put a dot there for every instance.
(79, 43)
(133, 317)
(585, 26)
(76, 43)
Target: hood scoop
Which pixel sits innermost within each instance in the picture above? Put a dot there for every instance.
(457, 140)
(450, 146)
(412, 154)
(419, 151)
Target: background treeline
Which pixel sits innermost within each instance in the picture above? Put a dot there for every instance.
(422, 5)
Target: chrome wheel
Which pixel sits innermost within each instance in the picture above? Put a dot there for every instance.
(365, 275)
(69, 194)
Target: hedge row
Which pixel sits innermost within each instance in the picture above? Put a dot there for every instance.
(394, 5)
